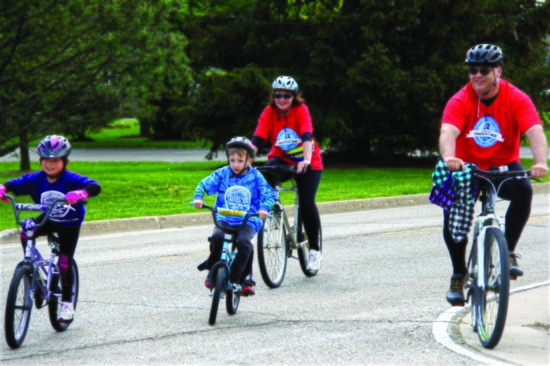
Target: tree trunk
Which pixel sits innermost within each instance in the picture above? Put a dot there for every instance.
(25, 162)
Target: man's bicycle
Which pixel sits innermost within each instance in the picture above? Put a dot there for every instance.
(220, 287)
(35, 277)
(488, 287)
(281, 234)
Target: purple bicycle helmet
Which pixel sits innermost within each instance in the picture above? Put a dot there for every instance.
(54, 146)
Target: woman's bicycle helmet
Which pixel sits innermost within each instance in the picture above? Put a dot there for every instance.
(54, 146)
(484, 54)
(242, 143)
(285, 83)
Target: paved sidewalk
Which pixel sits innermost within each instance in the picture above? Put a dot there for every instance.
(526, 337)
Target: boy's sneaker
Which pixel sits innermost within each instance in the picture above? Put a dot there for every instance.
(248, 288)
(515, 271)
(455, 295)
(66, 312)
(314, 260)
(207, 282)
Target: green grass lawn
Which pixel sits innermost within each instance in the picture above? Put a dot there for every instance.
(133, 189)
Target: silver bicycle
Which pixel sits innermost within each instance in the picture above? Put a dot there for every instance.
(281, 233)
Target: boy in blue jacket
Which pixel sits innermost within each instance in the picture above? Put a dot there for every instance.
(53, 182)
(238, 187)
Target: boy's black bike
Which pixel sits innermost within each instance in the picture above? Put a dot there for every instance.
(489, 284)
(36, 279)
(220, 286)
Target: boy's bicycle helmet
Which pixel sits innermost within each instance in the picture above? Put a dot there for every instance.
(54, 146)
(240, 142)
(484, 54)
(285, 83)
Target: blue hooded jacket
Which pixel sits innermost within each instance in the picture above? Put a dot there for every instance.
(248, 192)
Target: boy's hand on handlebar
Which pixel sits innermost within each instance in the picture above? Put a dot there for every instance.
(539, 170)
(263, 214)
(76, 196)
(197, 203)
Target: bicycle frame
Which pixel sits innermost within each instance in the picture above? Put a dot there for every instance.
(483, 221)
(291, 228)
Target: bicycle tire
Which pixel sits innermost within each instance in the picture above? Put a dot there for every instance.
(493, 304)
(303, 251)
(53, 304)
(232, 301)
(273, 250)
(471, 286)
(18, 306)
(218, 280)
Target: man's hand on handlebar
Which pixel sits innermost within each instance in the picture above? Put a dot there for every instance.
(454, 164)
(539, 170)
(197, 203)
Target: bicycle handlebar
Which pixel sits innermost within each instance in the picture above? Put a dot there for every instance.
(278, 169)
(34, 207)
(228, 212)
(503, 172)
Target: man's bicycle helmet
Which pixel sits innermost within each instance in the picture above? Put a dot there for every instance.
(285, 83)
(484, 54)
(54, 146)
(240, 142)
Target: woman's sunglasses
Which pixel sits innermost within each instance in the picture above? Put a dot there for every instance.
(483, 71)
(279, 96)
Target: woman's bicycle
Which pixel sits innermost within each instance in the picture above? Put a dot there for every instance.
(35, 277)
(280, 234)
(220, 287)
(489, 283)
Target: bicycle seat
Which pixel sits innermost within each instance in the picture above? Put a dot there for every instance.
(277, 174)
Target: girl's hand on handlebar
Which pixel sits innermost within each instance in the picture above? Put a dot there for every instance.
(197, 203)
(263, 214)
(75, 196)
(539, 170)
(2, 193)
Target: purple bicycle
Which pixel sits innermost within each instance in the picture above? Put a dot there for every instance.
(35, 279)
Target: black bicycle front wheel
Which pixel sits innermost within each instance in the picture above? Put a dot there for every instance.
(218, 279)
(18, 306)
(53, 304)
(493, 304)
(272, 250)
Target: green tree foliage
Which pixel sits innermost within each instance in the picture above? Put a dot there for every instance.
(69, 65)
(375, 74)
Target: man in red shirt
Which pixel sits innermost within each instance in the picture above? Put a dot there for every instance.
(482, 124)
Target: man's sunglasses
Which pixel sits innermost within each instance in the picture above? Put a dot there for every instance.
(483, 71)
(279, 96)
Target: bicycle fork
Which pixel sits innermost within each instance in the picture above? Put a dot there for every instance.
(225, 261)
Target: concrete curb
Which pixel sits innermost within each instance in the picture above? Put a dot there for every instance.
(182, 220)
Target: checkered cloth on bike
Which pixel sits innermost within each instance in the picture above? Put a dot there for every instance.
(455, 191)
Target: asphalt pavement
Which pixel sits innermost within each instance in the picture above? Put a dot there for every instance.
(528, 313)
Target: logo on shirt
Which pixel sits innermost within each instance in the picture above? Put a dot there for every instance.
(238, 198)
(287, 139)
(486, 132)
(59, 210)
